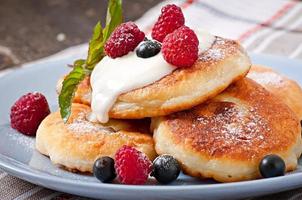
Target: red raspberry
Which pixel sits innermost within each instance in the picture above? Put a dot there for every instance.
(180, 48)
(28, 112)
(132, 166)
(123, 40)
(171, 18)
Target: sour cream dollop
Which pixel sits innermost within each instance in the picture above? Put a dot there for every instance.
(112, 77)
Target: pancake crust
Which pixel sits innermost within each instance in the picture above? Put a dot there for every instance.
(77, 144)
(226, 137)
(284, 88)
(217, 67)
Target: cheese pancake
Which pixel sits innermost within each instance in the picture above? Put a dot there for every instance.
(78, 143)
(284, 88)
(217, 67)
(226, 137)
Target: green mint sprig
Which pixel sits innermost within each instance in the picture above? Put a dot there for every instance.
(83, 68)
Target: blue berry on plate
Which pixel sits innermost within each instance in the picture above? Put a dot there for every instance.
(165, 169)
(148, 48)
(103, 169)
(272, 166)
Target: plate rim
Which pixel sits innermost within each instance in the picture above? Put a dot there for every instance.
(7, 166)
(10, 165)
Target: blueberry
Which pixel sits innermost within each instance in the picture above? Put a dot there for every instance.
(103, 169)
(148, 48)
(165, 169)
(272, 166)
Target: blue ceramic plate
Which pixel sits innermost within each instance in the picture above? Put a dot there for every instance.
(19, 158)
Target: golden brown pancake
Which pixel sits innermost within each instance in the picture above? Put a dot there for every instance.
(217, 67)
(77, 144)
(226, 137)
(284, 88)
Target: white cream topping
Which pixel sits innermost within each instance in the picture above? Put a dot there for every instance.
(112, 77)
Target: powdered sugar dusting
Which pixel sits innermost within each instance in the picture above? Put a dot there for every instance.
(25, 141)
(267, 78)
(237, 124)
(212, 55)
(82, 125)
(251, 126)
(219, 50)
(230, 125)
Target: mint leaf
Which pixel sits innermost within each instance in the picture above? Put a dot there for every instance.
(79, 62)
(114, 17)
(96, 47)
(69, 87)
(83, 68)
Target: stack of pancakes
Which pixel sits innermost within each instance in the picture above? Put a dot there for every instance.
(218, 118)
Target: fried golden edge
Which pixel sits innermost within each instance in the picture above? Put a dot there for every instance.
(226, 137)
(78, 143)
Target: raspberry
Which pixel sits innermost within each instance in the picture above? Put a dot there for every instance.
(180, 48)
(171, 18)
(132, 166)
(28, 112)
(123, 40)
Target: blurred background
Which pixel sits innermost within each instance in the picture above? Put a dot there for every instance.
(32, 29)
